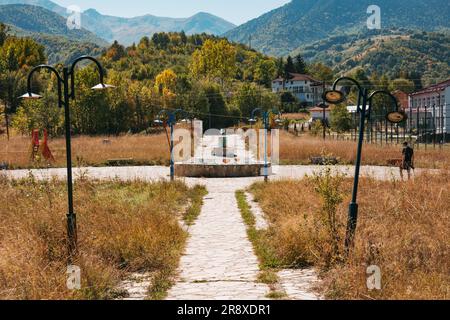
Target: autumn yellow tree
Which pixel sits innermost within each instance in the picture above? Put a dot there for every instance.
(216, 60)
(165, 84)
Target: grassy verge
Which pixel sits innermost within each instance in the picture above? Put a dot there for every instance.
(268, 261)
(196, 195)
(263, 250)
(403, 228)
(123, 227)
(163, 279)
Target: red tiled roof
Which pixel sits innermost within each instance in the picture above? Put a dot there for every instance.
(434, 88)
(298, 77)
(317, 109)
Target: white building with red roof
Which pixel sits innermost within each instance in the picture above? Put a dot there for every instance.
(304, 87)
(429, 108)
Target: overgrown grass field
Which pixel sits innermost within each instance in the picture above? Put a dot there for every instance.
(299, 150)
(123, 227)
(403, 228)
(90, 151)
(154, 150)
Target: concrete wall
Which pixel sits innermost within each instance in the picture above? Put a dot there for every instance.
(218, 171)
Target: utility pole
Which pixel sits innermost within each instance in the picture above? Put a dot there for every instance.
(7, 120)
(324, 112)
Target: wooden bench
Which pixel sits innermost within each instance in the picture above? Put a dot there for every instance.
(324, 161)
(4, 166)
(119, 162)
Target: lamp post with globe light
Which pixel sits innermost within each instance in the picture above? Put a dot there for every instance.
(66, 92)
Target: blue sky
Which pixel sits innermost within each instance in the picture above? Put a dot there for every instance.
(236, 11)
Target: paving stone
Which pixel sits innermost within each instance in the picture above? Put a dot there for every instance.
(219, 262)
(299, 284)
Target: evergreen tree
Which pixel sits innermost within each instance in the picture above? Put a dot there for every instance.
(300, 65)
(289, 67)
(3, 33)
(280, 66)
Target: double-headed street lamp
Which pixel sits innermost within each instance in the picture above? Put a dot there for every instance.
(66, 92)
(365, 98)
(171, 120)
(266, 121)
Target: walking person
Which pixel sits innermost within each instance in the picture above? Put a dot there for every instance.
(407, 160)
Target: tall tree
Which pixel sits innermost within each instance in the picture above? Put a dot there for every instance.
(300, 65)
(116, 52)
(289, 67)
(341, 120)
(215, 60)
(280, 66)
(321, 72)
(3, 33)
(265, 72)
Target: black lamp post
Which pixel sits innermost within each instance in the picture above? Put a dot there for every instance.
(266, 120)
(324, 108)
(66, 92)
(336, 97)
(172, 120)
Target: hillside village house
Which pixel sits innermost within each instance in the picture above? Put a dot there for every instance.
(305, 88)
(432, 104)
(317, 114)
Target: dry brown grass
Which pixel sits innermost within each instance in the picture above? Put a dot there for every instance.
(90, 151)
(123, 227)
(403, 228)
(299, 150)
(154, 150)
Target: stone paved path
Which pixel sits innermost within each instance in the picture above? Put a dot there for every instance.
(158, 173)
(219, 263)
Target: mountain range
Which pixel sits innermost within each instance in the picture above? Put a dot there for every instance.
(129, 30)
(303, 22)
(27, 19)
(414, 35)
(50, 30)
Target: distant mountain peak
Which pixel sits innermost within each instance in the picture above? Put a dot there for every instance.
(129, 30)
(92, 12)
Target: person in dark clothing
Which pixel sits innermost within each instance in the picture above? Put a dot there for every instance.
(408, 160)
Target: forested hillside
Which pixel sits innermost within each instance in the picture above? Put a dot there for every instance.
(49, 29)
(302, 22)
(426, 55)
(39, 20)
(203, 74)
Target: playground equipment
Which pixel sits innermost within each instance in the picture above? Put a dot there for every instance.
(39, 148)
